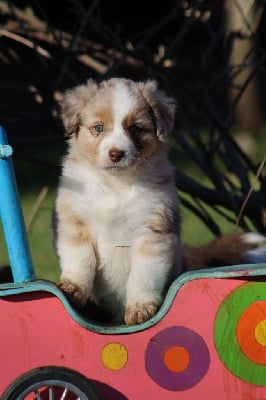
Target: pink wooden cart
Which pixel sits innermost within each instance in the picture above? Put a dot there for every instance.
(207, 342)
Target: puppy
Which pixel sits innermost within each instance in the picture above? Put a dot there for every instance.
(116, 219)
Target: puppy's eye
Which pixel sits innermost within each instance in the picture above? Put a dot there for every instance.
(135, 129)
(98, 128)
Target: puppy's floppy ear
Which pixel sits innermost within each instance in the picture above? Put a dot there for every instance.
(73, 103)
(163, 108)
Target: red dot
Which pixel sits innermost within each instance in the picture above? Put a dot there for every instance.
(176, 359)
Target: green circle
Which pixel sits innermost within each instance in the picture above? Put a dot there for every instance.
(225, 328)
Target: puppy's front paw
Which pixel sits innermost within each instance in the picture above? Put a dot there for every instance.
(139, 313)
(73, 292)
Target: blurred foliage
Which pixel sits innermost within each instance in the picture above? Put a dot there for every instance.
(189, 47)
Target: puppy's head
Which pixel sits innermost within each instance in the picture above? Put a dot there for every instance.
(118, 123)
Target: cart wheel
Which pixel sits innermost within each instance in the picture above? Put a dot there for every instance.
(46, 383)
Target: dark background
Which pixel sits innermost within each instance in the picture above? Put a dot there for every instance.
(209, 55)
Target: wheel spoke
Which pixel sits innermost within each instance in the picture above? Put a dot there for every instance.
(51, 393)
(37, 394)
(63, 397)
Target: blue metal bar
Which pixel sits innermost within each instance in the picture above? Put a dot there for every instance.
(12, 217)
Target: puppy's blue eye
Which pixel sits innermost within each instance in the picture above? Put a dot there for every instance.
(98, 128)
(135, 129)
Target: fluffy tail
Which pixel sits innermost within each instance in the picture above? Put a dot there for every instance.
(233, 249)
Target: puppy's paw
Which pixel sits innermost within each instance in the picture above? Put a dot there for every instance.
(73, 292)
(138, 313)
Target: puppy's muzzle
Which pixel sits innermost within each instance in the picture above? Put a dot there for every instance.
(116, 154)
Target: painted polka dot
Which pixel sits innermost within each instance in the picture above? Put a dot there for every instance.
(250, 322)
(240, 332)
(177, 358)
(260, 333)
(114, 356)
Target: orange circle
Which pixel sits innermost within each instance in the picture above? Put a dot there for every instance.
(247, 332)
(176, 359)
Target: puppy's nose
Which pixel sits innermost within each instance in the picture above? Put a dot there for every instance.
(116, 154)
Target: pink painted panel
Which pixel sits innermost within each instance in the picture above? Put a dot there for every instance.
(197, 351)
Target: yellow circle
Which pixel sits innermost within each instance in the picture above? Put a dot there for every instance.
(114, 356)
(260, 332)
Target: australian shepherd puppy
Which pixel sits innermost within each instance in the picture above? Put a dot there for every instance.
(117, 222)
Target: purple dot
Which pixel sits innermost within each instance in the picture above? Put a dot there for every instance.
(198, 354)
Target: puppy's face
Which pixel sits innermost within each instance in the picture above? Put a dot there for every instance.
(118, 123)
